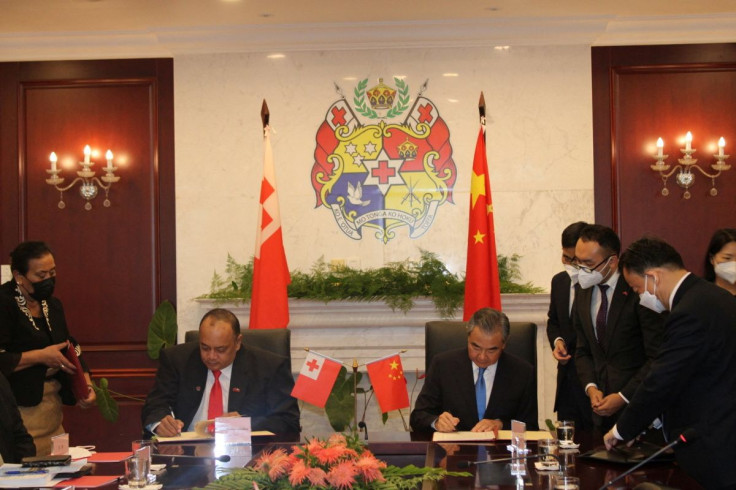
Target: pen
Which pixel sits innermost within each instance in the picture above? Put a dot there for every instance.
(25, 472)
(174, 417)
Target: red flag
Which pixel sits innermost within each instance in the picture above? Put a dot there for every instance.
(269, 304)
(316, 379)
(389, 384)
(482, 286)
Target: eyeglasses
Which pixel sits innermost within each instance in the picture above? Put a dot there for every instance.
(589, 270)
(566, 259)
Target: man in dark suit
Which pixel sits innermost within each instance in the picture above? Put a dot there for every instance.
(692, 382)
(479, 388)
(616, 337)
(570, 400)
(197, 382)
(15, 441)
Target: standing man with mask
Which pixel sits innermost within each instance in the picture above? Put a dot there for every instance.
(570, 400)
(693, 377)
(616, 337)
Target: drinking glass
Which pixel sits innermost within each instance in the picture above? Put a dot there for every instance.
(548, 451)
(137, 467)
(565, 432)
(564, 482)
(145, 447)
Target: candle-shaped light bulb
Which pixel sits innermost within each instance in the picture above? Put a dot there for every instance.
(721, 146)
(53, 160)
(108, 156)
(87, 152)
(688, 140)
(660, 146)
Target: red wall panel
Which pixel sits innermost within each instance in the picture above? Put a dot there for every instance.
(115, 264)
(640, 94)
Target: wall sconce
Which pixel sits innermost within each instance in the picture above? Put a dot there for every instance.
(685, 177)
(89, 182)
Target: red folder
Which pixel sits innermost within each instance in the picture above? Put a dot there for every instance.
(79, 382)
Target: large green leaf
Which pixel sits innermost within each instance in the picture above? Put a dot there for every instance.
(340, 406)
(162, 329)
(105, 402)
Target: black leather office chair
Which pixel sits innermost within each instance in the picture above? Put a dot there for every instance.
(276, 340)
(440, 336)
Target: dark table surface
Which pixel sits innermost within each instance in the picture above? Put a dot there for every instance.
(401, 449)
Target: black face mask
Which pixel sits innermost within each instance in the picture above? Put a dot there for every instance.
(43, 289)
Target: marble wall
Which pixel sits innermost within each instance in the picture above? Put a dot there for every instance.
(539, 137)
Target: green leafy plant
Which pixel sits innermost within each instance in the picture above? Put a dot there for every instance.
(161, 333)
(397, 283)
(340, 406)
(162, 329)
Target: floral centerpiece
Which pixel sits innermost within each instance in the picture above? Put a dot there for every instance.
(340, 462)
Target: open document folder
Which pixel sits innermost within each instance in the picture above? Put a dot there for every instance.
(503, 435)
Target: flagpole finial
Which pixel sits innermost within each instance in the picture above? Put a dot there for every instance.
(264, 114)
(482, 108)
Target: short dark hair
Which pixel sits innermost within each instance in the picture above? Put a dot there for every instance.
(719, 240)
(223, 315)
(490, 321)
(25, 252)
(603, 236)
(648, 252)
(571, 234)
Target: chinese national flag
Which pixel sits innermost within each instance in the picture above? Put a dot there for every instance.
(269, 304)
(482, 285)
(316, 379)
(389, 384)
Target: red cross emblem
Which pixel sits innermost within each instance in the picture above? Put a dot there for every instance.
(338, 116)
(313, 365)
(383, 172)
(425, 113)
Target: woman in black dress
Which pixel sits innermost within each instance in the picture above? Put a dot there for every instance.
(33, 336)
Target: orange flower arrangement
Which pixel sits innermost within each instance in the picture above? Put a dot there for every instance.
(340, 462)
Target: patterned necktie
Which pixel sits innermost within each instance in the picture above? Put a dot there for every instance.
(600, 318)
(215, 406)
(480, 393)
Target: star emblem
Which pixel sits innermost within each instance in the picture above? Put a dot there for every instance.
(383, 171)
(479, 236)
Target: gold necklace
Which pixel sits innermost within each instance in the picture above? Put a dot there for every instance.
(21, 302)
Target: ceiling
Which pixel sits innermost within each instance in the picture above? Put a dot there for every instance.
(33, 28)
(122, 15)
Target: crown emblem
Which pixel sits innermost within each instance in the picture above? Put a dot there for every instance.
(408, 150)
(381, 96)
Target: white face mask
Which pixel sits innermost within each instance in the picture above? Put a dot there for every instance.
(589, 279)
(573, 273)
(649, 300)
(726, 271)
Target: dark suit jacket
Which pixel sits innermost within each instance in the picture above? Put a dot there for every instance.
(260, 388)
(559, 325)
(692, 381)
(449, 387)
(633, 335)
(15, 442)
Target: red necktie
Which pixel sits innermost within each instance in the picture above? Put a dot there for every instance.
(215, 406)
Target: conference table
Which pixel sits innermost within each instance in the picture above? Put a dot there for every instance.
(405, 448)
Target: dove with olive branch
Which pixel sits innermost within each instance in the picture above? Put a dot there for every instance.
(355, 195)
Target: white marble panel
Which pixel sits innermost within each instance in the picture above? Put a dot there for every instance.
(539, 150)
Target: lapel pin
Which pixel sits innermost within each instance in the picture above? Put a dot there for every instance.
(236, 390)
(198, 388)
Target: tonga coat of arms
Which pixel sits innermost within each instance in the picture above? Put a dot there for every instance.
(382, 163)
